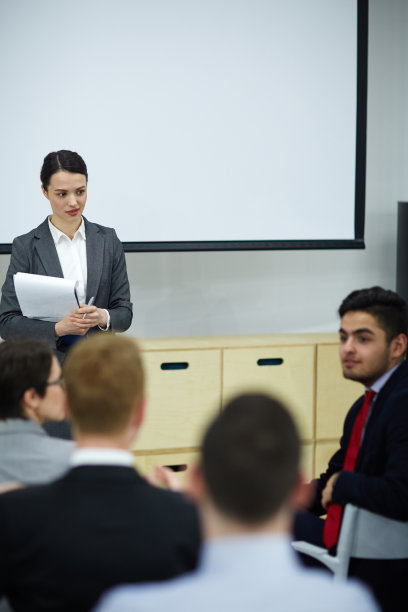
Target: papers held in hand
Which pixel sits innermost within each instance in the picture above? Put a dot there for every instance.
(45, 297)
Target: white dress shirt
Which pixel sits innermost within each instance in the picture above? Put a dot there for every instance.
(72, 256)
(101, 456)
(380, 382)
(377, 386)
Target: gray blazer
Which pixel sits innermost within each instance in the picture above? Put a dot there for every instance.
(107, 281)
(29, 455)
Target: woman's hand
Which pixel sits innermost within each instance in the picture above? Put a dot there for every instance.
(77, 325)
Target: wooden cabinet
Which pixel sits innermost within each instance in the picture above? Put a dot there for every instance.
(286, 372)
(334, 394)
(183, 395)
(189, 380)
(307, 460)
(323, 453)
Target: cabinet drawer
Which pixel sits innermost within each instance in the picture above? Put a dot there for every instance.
(183, 394)
(284, 372)
(335, 394)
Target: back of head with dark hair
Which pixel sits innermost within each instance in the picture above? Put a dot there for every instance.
(250, 458)
(390, 310)
(61, 160)
(25, 363)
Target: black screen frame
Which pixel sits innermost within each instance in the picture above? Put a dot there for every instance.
(360, 181)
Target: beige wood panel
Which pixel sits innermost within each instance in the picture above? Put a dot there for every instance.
(323, 454)
(335, 394)
(235, 341)
(307, 460)
(146, 463)
(292, 381)
(180, 403)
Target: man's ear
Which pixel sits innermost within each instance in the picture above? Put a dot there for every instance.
(399, 346)
(196, 488)
(31, 403)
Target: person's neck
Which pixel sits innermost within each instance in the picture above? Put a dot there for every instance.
(122, 439)
(68, 229)
(217, 524)
(103, 442)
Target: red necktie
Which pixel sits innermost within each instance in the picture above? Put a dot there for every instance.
(335, 512)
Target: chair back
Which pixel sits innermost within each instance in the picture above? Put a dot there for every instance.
(363, 535)
(378, 537)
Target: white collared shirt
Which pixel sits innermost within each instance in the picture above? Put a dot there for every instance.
(377, 386)
(380, 382)
(101, 456)
(72, 256)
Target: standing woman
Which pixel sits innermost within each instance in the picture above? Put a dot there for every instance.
(68, 245)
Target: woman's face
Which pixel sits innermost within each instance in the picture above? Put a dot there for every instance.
(67, 196)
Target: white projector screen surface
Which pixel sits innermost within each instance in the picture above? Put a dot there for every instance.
(223, 120)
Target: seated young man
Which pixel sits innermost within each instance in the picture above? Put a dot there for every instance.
(370, 469)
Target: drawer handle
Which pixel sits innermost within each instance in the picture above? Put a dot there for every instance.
(272, 361)
(177, 468)
(174, 365)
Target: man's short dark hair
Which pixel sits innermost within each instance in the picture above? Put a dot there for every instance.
(25, 363)
(390, 309)
(250, 458)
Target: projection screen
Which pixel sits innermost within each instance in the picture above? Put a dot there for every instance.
(224, 124)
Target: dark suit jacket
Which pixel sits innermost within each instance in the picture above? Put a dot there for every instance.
(380, 480)
(107, 281)
(63, 544)
(379, 483)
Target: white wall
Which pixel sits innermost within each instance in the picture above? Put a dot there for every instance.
(183, 294)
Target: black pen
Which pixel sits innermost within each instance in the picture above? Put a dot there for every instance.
(76, 297)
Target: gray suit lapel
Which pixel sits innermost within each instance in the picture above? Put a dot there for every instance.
(46, 251)
(94, 258)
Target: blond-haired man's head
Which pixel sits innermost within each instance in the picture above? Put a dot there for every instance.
(104, 381)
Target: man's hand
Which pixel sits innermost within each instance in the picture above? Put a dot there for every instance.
(10, 485)
(328, 490)
(165, 478)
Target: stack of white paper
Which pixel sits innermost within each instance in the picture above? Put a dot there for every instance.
(45, 297)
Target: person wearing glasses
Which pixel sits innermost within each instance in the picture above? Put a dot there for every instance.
(31, 392)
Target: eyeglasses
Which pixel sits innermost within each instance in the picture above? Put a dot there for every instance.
(59, 381)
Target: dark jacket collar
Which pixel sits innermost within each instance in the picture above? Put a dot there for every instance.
(47, 253)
